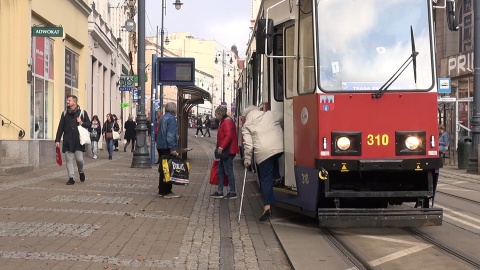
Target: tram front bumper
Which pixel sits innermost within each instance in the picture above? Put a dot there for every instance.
(379, 217)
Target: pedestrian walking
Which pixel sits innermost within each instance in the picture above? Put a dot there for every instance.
(115, 142)
(207, 126)
(226, 150)
(130, 134)
(108, 127)
(95, 132)
(68, 128)
(263, 136)
(199, 125)
(167, 145)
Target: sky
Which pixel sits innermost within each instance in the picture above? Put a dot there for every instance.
(226, 21)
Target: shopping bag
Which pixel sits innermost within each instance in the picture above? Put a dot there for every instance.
(116, 135)
(58, 156)
(84, 133)
(214, 174)
(176, 170)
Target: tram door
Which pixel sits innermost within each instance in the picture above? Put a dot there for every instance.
(290, 77)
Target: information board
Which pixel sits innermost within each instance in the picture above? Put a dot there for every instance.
(176, 71)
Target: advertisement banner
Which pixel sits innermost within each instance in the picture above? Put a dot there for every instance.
(39, 56)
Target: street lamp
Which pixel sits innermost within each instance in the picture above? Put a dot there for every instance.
(141, 155)
(224, 54)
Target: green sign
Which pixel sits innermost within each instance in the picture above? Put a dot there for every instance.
(47, 31)
(136, 78)
(124, 105)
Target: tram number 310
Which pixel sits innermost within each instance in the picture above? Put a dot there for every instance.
(378, 140)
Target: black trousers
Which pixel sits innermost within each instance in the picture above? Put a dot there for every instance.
(199, 129)
(163, 188)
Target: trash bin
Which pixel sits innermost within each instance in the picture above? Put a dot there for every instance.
(464, 149)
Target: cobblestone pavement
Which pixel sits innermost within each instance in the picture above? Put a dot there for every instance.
(115, 220)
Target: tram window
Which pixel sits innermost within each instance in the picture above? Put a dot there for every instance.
(278, 82)
(289, 39)
(306, 68)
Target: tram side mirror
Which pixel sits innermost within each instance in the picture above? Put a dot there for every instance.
(450, 12)
(264, 36)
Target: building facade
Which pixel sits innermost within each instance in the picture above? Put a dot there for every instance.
(455, 62)
(57, 48)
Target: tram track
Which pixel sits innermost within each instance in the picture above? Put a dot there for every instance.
(444, 247)
(459, 197)
(353, 256)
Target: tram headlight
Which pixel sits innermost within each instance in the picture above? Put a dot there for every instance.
(343, 143)
(412, 143)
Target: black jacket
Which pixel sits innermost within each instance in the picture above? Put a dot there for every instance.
(97, 131)
(68, 127)
(199, 123)
(108, 126)
(130, 130)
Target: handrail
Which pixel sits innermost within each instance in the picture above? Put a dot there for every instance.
(21, 133)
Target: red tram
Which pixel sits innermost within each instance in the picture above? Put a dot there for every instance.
(356, 83)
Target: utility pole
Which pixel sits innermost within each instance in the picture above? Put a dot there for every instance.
(473, 160)
(141, 157)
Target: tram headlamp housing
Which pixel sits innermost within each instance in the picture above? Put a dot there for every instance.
(343, 143)
(346, 143)
(410, 142)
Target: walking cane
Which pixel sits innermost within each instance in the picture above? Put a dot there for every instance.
(243, 190)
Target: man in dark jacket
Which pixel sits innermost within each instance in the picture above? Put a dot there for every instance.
(68, 127)
(167, 145)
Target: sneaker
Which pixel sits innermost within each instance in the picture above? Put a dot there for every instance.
(196, 136)
(110, 157)
(82, 177)
(230, 196)
(116, 149)
(202, 136)
(171, 195)
(217, 195)
(70, 181)
(94, 156)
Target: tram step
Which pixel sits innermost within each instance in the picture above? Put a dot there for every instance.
(379, 217)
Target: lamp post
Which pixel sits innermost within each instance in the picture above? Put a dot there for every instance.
(141, 156)
(473, 159)
(223, 54)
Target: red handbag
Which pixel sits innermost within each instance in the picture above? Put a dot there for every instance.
(214, 174)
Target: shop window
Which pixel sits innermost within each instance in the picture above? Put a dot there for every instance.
(306, 69)
(41, 97)
(466, 26)
(71, 73)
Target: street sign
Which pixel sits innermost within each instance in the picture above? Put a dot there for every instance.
(156, 104)
(446, 99)
(127, 83)
(124, 105)
(38, 31)
(444, 86)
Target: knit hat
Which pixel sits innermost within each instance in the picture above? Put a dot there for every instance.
(221, 110)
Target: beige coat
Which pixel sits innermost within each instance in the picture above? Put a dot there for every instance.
(263, 135)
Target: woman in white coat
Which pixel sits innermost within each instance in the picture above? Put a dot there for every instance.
(263, 136)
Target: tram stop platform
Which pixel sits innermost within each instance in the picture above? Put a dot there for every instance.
(116, 220)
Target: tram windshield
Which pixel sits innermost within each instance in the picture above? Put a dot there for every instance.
(363, 43)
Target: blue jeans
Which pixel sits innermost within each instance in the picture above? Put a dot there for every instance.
(110, 147)
(226, 166)
(267, 170)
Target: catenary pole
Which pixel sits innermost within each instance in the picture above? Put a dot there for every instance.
(473, 160)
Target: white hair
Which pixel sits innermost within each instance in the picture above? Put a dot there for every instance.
(249, 109)
(171, 107)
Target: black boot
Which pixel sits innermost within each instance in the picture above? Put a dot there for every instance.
(266, 215)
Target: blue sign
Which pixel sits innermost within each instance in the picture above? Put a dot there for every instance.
(125, 88)
(444, 86)
(156, 104)
(135, 96)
